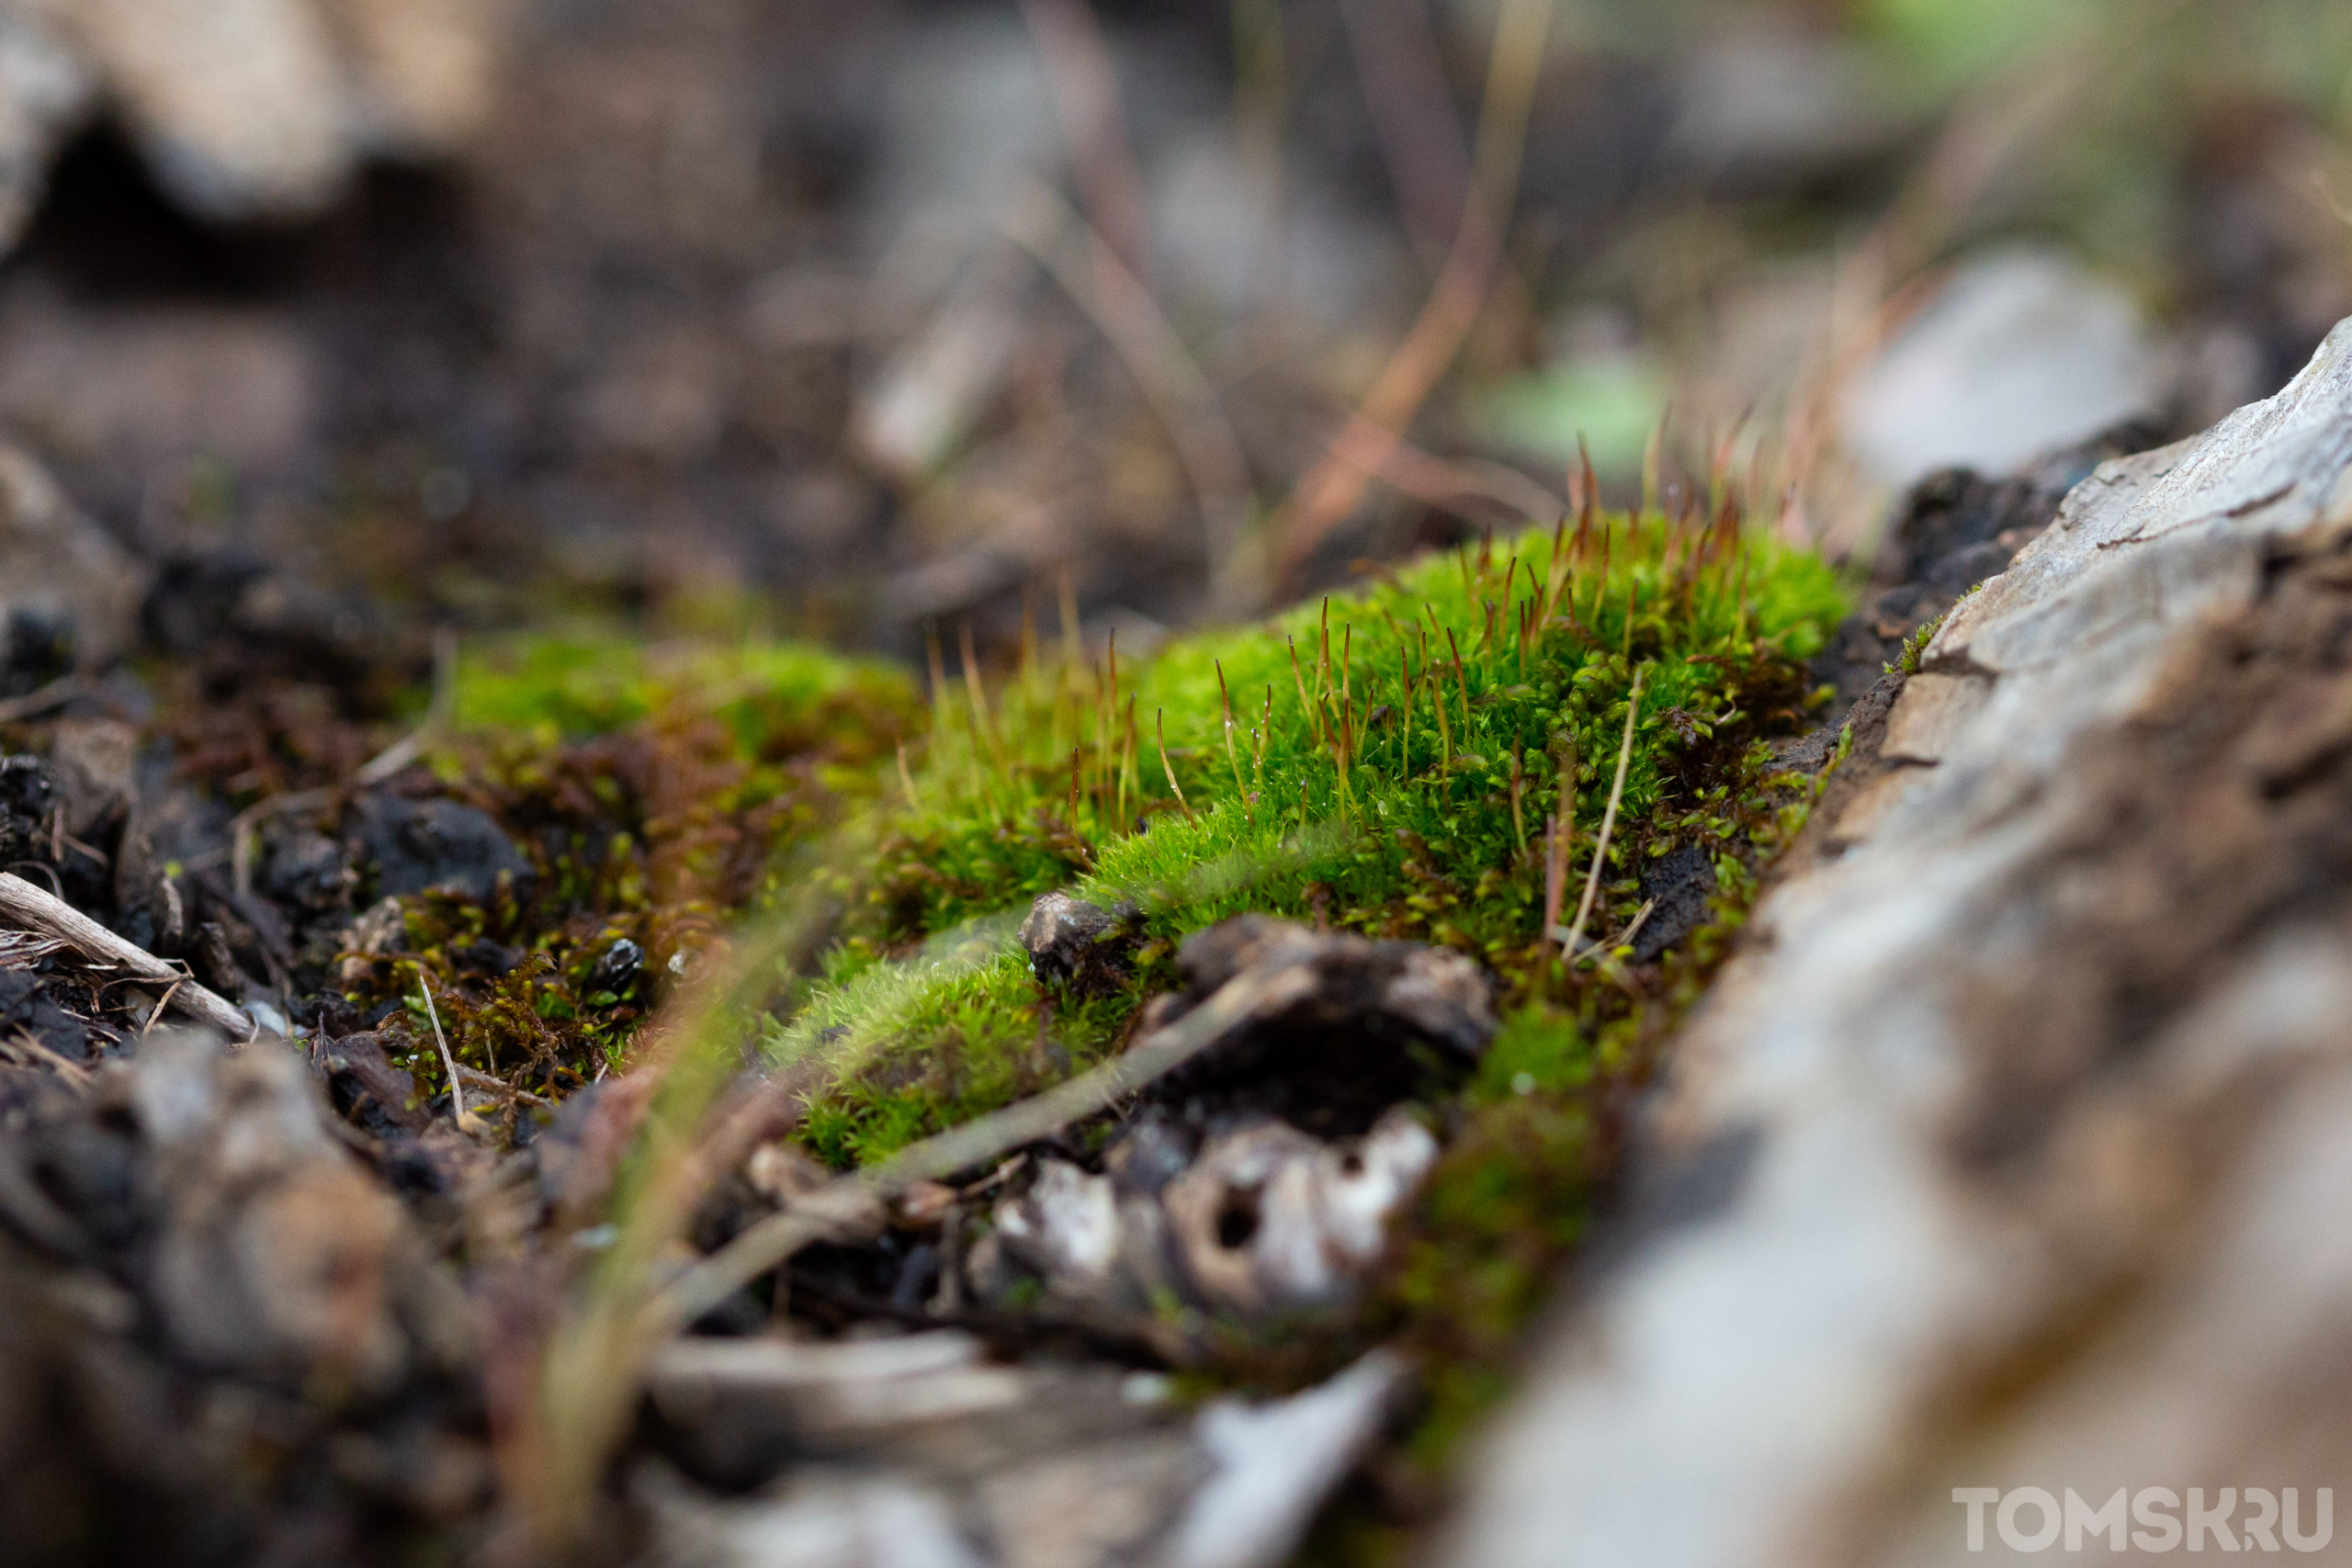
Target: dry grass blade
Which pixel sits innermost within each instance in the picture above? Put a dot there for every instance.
(1608, 821)
(1334, 486)
(26, 1046)
(573, 1407)
(449, 1062)
(1130, 320)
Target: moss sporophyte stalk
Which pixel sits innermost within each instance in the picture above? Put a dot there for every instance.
(1429, 758)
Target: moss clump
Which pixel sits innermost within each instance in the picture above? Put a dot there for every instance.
(1385, 762)
(1389, 763)
(655, 793)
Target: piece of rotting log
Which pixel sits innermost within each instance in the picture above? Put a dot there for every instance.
(26, 908)
(2007, 1155)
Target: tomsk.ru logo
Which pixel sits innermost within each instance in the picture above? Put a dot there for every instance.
(2029, 1519)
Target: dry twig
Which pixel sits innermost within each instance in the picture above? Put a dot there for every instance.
(56, 694)
(26, 909)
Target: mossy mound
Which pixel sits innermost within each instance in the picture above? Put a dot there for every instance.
(1385, 762)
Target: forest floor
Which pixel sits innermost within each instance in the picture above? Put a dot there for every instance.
(758, 776)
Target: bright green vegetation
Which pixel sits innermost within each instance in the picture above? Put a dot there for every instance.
(1915, 645)
(774, 699)
(1385, 762)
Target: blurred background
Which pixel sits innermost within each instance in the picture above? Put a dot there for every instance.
(846, 319)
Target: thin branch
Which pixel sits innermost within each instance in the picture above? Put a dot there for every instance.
(28, 908)
(1397, 59)
(56, 694)
(1085, 86)
(1130, 320)
(1446, 485)
(500, 1088)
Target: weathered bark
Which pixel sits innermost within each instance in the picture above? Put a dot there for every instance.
(2015, 1148)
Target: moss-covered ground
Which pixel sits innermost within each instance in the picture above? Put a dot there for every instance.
(1431, 757)
(1385, 762)
(656, 792)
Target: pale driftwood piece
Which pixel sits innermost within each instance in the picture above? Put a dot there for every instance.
(26, 908)
(2012, 1149)
(1086, 1465)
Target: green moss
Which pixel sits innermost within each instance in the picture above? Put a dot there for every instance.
(1915, 645)
(774, 699)
(926, 1046)
(1383, 762)
(656, 792)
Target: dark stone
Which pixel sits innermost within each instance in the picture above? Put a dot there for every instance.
(308, 870)
(367, 1087)
(1681, 881)
(234, 611)
(483, 957)
(416, 845)
(27, 1005)
(27, 800)
(193, 605)
(213, 956)
(616, 969)
(39, 648)
(1076, 946)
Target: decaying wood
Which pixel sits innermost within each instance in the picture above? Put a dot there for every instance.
(25, 908)
(2011, 1151)
(976, 1141)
